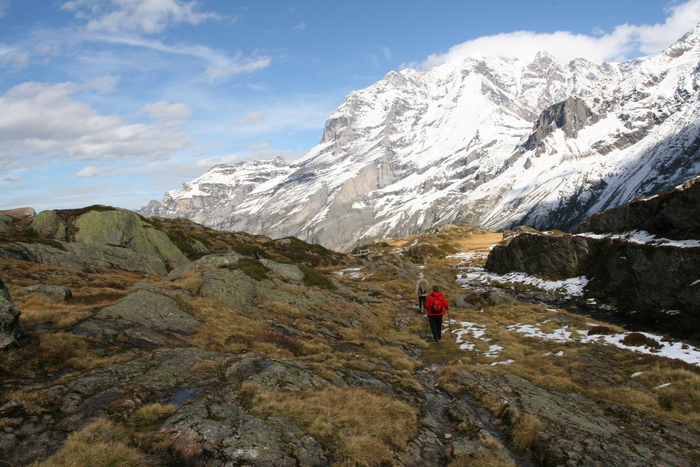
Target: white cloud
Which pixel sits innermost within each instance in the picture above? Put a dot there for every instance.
(13, 57)
(250, 119)
(167, 112)
(224, 66)
(13, 178)
(3, 6)
(141, 16)
(620, 44)
(88, 171)
(39, 119)
(221, 65)
(300, 27)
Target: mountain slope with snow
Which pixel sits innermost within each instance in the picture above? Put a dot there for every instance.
(482, 141)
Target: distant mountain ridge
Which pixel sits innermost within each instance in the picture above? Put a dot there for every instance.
(483, 141)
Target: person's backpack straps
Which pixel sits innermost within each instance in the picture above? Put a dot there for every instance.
(423, 287)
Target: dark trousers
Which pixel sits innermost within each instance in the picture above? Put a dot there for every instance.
(421, 303)
(436, 326)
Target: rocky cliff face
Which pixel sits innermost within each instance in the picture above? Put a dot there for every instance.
(642, 257)
(482, 142)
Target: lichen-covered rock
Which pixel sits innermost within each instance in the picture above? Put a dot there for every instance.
(46, 254)
(19, 213)
(111, 237)
(10, 327)
(108, 256)
(216, 432)
(578, 431)
(288, 271)
(124, 228)
(231, 287)
(154, 311)
(50, 224)
(287, 375)
(5, 225)
(206, 262)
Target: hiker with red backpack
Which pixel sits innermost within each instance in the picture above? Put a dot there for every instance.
(436, 305)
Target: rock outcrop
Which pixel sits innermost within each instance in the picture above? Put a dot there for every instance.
(93, 230)
(10, 327)
(98, 236)
(643, 258)
(674, 214)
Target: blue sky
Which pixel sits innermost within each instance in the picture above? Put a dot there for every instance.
(118, 101)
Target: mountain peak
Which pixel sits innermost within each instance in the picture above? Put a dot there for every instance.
(450, 144)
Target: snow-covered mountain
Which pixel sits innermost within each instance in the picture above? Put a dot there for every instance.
(482, 141)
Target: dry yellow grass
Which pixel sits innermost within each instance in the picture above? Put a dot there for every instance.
(100, 444)
(483, 459)
(356, 427)
(524, 430)
(225, 329)
(150, 414)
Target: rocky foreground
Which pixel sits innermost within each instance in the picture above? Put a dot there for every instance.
(145, 342)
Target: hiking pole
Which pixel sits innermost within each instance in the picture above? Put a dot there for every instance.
(449, 323)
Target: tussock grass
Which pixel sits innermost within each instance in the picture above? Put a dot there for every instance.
(524, 429)
(483, 459)
(190, 281)
(51, 353)
(32, 401)
(355, 426)
(151, 416)
(393, 356)
(595, 370)
(225, 329)
(100, 444)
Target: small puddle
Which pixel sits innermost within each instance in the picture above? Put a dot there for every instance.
(183, 395)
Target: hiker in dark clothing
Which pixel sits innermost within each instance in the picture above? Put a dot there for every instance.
(436, 305)
(422, 290)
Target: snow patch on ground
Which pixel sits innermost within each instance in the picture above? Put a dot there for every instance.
(645, 238)
(572, 287)
(467, 334)
(353, 273)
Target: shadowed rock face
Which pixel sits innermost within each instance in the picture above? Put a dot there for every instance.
(674, 214)
(650, 279)
(10, 327)
(570, 115)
